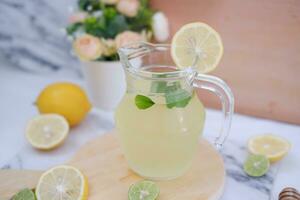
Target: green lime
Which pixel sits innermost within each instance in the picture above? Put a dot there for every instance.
(256, 165)
(143, 190)
(25, 194)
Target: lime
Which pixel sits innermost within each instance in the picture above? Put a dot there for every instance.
(25, 194)
(256, 165)
(143, 190)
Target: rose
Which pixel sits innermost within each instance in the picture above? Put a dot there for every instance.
(77, 17)
(127, 37)
(128, 7)
(88, 47)
(160, 27)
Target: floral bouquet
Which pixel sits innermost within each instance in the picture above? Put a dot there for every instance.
(100, 27)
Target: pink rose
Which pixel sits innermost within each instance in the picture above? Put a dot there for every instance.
(128, 7)
(77, 17)
(88, 47)
(127, 37)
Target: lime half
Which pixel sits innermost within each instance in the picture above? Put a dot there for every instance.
(143, 190)
(25, 194)
(256, 165)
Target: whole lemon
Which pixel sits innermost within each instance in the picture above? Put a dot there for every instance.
(66, 99)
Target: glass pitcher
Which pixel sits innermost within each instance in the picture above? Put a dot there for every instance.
(160, 118)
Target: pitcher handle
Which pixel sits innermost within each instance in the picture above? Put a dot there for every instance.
(221, 89)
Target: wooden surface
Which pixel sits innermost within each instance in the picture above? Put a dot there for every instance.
(101, 160)
(12, 181)
(261, 60)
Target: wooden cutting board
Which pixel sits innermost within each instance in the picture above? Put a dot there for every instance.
(109, 177)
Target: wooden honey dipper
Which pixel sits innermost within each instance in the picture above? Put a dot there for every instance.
(289, 193)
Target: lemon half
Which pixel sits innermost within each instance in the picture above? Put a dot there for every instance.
(197, 45)
(273, 147)
(62, 182)
(47, 131)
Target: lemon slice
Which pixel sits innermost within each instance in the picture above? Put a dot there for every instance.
(273, 147)
(62, 182)
(197, 45)
(47, 131)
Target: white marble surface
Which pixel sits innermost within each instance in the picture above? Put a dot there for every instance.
(19, 90)
(34, 53)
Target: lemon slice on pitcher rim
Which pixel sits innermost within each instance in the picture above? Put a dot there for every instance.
(273, 147)
(197, 45)
(47, 131)
(62, 182)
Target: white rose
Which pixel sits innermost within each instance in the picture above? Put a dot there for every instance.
(128, 7)
(160, 26)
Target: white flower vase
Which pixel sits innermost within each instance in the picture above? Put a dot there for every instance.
(105, 83)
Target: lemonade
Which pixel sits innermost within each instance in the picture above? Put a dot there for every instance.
(159, 142)
(160, 118)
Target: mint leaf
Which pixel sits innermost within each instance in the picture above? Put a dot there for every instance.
(162, 86)
(25, 194)
(158, 86)
(143, 102)
(177, 97)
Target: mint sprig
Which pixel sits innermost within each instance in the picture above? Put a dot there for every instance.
(178, 98)
(25, 194)
(143, 102)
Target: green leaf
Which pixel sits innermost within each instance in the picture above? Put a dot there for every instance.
(84, 4)
(95, 26)
(158, 86)
(143, 19)
(116, 25)
(25, 194)
(73, 28)
(143, 102)
(109, 13)
(177, 97)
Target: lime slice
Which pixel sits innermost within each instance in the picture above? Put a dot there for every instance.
(25, 194)
(256, 165)
(62, 182)
(143, 190)
(197, 45)
(47, 131)
(274, 147)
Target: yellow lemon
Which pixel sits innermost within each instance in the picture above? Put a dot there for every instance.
(47, 131)
(66, 99)
(273, 147)
(62, 182)
(197, 45)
